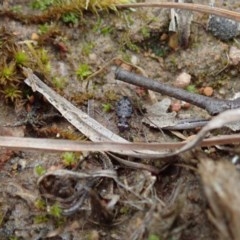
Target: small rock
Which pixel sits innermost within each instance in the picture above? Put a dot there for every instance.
(182, 80)
(235, 96)
(22, 164)
(34, 36)
(107, 48)
(93, 56)
(223, 28)
(185, 105)
(222, 91)
(134, 60)
(163, 37)
(234, 72)
(176, 106)
(234, 55)
(208, 91)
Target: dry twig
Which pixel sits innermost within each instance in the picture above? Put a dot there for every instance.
(212, 105)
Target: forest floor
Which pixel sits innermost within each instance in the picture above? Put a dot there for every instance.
(78, 59)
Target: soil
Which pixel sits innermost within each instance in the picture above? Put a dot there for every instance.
(170, 205)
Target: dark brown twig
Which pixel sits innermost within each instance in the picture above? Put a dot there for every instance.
(212, 105)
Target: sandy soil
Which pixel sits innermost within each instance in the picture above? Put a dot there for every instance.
(170, 205)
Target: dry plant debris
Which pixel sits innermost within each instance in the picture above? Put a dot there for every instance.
(123, 183)
(212, 105)
(219, 184)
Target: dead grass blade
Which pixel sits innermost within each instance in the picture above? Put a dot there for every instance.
(220, 182)
(59, 145)
(188, 6)
(79, 119)
(219, 121)
(79, 184)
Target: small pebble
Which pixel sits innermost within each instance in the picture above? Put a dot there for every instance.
(222, 91)
(234, 55)
(176, 106)
(208, 91)
(234, 72)
(236, 95)
(22, 164)
(185, 105)
(34, 36)
(164, 37)
(134, 60)
(182, 80)
(107, 48)
(93, 56)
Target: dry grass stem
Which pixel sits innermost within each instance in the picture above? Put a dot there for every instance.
(188, 6)
(220, 182)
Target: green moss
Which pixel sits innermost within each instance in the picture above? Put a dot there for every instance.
(41, 4)
(145, 32)
(55, 210)
(68, 10)
(7, 71)
(43, 56)
(59, 82)
(16, 8)
(40, 204)
(41, 219)
(82, 97)
(153, 237)
(87, 48)
(40, 58)
(21, 58)
(39, 170)
(110, 95)
(11, 93)
(83, 71)
(191, 88)
(107, 107)
(128, 19)
(126, 56)
(13, 238)
(44, 28)
(124, 210)
(126, 42)
(69, 159)
(10, 76)
(106, 30)
(70, 18)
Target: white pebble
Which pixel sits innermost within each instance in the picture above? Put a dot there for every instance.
(182, 80)
(134, 60)
(234, 55)
(93, 56)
